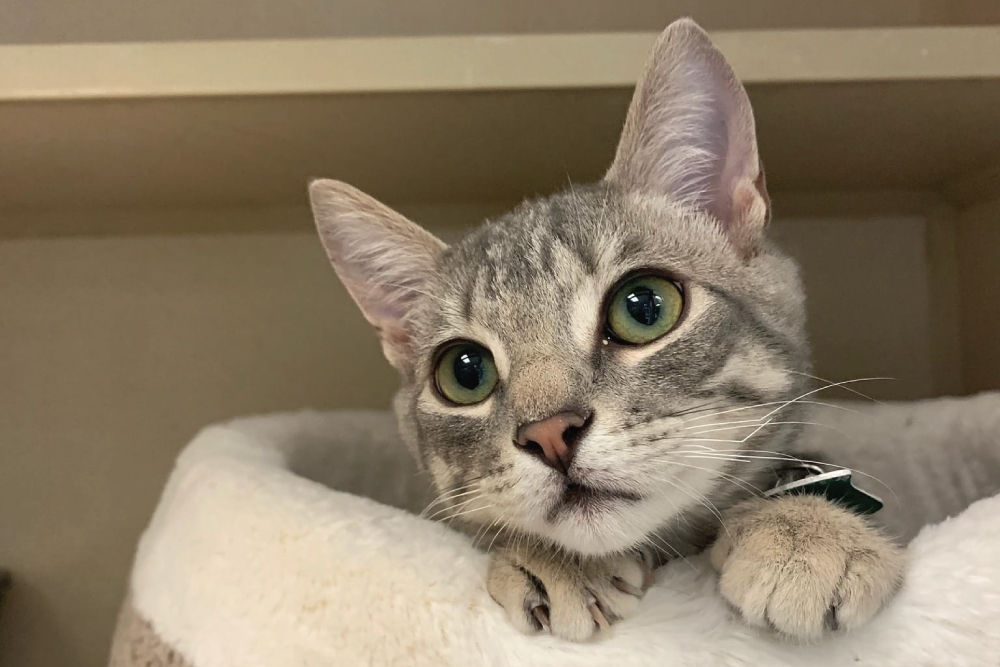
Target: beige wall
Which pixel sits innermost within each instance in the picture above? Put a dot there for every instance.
(869, 309)
(116, 350)
(978, 241)
(126, 20)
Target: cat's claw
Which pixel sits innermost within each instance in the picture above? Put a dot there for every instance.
(648, 562)
(541, 614)
(595, 613)
(626, 587)
(572, 599)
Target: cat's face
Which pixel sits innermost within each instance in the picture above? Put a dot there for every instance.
(563, 366)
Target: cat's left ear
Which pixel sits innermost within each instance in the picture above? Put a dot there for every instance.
(385, 260)
(690, 134)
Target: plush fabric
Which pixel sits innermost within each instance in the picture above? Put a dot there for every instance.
(252, 557)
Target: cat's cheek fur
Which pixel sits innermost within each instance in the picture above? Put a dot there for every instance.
(756, 368)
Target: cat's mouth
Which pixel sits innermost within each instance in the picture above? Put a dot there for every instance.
(589, 499)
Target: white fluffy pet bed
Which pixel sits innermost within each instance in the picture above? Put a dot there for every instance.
(253, 559)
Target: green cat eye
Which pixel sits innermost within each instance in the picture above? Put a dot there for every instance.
(465, 373)
(643, 309)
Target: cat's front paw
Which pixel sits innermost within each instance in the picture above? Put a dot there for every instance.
(570, 597)
(803, 566)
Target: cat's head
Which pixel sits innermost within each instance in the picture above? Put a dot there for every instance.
(562, 366)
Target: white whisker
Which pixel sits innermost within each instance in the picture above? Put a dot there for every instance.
(738, 481)
(504, 525)
(738, 421)
(773, 423)
(484, 530)
(850, 389)
(823, 388)
(698, 498)
(463, 503)
(464, 512)
(780, 456)
(798, 401)
(449, 495)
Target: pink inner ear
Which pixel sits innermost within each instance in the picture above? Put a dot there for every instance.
(728, 132)
(690, 134)
(387, 299)
(386, 296)
(383, 259)
(749, 215)
(397, 337)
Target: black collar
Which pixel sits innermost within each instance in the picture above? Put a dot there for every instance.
(835, 485)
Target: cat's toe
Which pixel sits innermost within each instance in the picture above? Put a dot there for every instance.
(574, 600)
(872, 575)
(618, 584)
(539, 597)
(801, 602)
(804, 567)
(590, 599)
(575, 612)
(519, 595)
(838, 591)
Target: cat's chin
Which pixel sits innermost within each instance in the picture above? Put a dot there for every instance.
(593, 522)
(594, 539)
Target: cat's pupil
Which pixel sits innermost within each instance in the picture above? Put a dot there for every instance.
(643, 304)
(468, 368)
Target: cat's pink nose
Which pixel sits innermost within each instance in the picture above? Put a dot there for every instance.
(554, 438)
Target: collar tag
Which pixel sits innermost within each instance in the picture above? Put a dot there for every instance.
(835, 485)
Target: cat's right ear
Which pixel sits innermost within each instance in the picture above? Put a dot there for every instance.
(383, 259)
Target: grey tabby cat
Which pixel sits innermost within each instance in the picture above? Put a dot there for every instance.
(578, 374)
